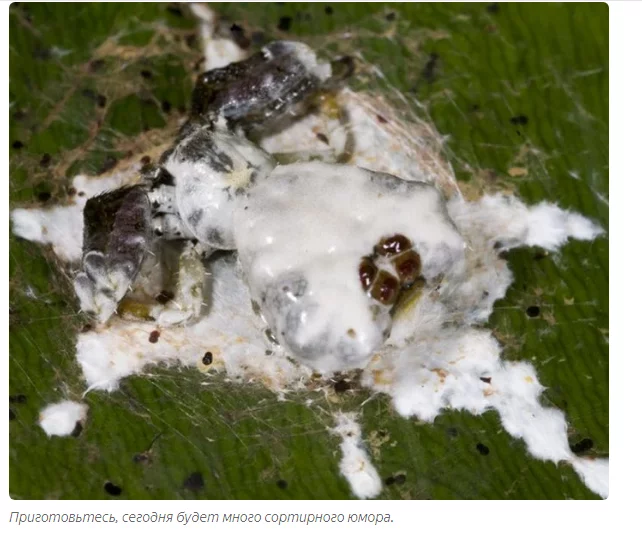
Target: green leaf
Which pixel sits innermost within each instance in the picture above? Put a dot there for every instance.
(520, 91)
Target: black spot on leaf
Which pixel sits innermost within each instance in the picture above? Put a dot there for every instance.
(239, 37)
(113, 489)
(284, 24)
(191, 41)
(398, 479)
(582, 446)
(77, 429)
(429, 72)
(194, 482)
(174, 9)
(519, 120)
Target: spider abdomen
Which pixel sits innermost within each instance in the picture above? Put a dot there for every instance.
(327, 248)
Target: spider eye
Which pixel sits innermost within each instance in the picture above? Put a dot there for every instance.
(408, 267)
(385, 288)
(367, 272)
(393, 245)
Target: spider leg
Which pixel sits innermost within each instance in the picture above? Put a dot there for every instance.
(278, 81)
(188, 299)
(162, 196)
(116, 239)
(170, 226)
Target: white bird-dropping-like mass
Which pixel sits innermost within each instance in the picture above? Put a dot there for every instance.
(355, 465)
(228, 329)
(436, 355)
(61, 226)
(62, 418)
(301, 235)
(218, 51)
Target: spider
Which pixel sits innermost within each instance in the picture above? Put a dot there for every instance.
(326, 248)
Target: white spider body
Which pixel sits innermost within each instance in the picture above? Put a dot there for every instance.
(326, 248)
